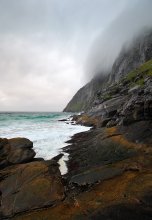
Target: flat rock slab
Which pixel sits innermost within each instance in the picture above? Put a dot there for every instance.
(95, 175)
(30, 186)
(95, 149)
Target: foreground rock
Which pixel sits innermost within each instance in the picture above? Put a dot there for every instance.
(26, 183)
(30, 186)
(15, 151)
(97, 153)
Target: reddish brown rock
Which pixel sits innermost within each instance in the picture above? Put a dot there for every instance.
(15, 151)
(26, 187)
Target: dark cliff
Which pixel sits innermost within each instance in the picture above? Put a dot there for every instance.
(129, 59)
(84, 98)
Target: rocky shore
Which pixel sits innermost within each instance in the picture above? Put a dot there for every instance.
(112, 172)
(110, 166)
(109, 176)
(26, 183)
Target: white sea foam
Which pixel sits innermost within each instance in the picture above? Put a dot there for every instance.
(47, 133)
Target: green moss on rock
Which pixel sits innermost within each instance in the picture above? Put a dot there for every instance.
(142, 71)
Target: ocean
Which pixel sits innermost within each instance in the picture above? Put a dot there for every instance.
(47, 133)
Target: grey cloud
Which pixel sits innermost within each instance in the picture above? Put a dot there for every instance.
(135, 18)
(62, 16)
(36, 78)
(43, 48)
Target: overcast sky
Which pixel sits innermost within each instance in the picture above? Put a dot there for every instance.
(45, 47)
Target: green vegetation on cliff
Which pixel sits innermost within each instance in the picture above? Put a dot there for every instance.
(142, 71)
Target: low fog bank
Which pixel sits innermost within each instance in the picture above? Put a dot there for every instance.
(132, 22)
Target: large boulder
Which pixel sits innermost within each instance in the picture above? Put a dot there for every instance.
(15, 151)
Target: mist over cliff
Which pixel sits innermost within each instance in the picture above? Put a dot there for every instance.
(135, 20)
(130, 57)
(122, 46)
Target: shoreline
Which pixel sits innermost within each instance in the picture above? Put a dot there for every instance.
(64, 159)
(48, 142)
(104, 170)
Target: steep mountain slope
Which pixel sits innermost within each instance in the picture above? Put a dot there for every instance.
(124, 102)
(84, 98)
(138, 53)
(129, 59)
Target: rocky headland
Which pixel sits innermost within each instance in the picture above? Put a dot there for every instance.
(109, 167)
